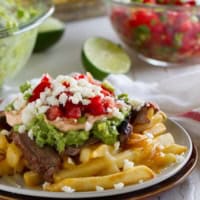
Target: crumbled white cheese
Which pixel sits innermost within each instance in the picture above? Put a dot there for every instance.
(45, 184)
(19, 102)
(5, 132)
(109, 110)
(76, 98)
(63, 99)
(99, 188)
(149, 135)
(45, 94)
(70, 161)
(21, 129)
(58, 88)
(43, 109)
(141, 181)
(119, 186)
(136, 104)
(116, 113)
(28, 113)
(180, 158)
(116, 146)
(68, 189)
(38, 103)
(52, 101)
(30, 134)
(86, 102)
(161, 146)
(128, 164)
(162, 154)
(88, 126)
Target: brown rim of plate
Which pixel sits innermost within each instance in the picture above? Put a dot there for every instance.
(137, 195)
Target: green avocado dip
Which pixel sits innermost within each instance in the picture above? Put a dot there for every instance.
(46, 134)
(16, 39)
(14, 13)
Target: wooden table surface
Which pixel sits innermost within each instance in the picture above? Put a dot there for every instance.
(65, 58)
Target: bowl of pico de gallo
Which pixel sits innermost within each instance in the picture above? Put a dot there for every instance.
(160, 32)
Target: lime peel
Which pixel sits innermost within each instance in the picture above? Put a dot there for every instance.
(102, 57)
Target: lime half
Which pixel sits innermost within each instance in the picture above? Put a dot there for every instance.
(102, 57)
(49, 33)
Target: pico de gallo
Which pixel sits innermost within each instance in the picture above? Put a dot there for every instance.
(70, 111)
(165, 30)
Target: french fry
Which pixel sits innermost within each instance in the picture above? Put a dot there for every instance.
(13, 155)
(165, 160)
(5, 168)
(3, 143)
(165, 139)
(90, 168)
(2, 155)
(102, 151)
(85, 155)
(175, 149)
(110, 169)
(131, 176)
(68, 163)
(32, 179)
(20, 166)
(156, 130)
(120, 157)
(150, 113)
(157, 118)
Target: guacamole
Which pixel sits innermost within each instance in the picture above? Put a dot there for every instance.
(15, 49)
(46, 134)
(14, 13)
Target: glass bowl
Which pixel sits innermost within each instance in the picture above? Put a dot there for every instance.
(161, 35)
(17, 40)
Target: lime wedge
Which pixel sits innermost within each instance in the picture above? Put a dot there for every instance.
(102, 57)
(50, 32)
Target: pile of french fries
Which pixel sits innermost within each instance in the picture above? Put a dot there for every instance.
(150, 149)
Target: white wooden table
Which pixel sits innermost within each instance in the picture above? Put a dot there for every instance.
(65, 58)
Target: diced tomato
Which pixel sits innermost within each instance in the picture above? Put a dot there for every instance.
(96, 106)
(149, 1)
(45, 83)
(66, 84)
(53, 113)
(80, 76)
(72, 110)
(106, 92)
(143, 17)
(108, 103)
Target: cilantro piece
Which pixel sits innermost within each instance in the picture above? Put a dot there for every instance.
(16, 128)
(142, 34)
(82, 120)
(24, 87)
(123, 97)
(9, 107)
(27, 96)
(178, 39)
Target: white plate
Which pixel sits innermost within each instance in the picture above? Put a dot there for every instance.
(181, 137)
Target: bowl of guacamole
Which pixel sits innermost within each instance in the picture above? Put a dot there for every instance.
(19, 22)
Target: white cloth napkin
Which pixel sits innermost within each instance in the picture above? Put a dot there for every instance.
(179, 97)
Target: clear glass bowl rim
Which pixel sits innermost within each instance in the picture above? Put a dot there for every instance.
(154, 6)
(31, 24)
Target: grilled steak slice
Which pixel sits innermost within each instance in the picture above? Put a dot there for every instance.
(141, 117)
(45, 161)
(125, 129)
(3, 123)
(72, 151)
